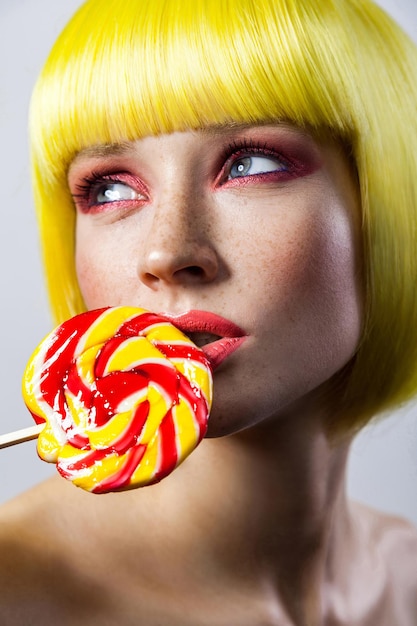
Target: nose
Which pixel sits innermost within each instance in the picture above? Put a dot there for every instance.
(177, 248)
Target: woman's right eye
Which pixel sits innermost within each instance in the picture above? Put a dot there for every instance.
(97, 191)
(113, 192)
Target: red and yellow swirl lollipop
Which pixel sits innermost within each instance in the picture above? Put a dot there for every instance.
(125, 397)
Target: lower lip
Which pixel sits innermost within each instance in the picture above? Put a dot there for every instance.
(219, 350)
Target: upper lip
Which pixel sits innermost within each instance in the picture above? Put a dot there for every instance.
(206, 324)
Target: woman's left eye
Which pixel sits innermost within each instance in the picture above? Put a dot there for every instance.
(252, 164)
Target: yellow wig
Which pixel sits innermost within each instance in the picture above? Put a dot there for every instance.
(123, 69)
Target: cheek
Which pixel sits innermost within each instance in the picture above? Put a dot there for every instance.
(87, 279)
(99, 270)
(332, 285)
(326, 260)
(306, 276)
(321, 255)
(300, 255)
(326, 304)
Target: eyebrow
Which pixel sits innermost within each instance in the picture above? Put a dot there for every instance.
(105, 150)
(124, 148)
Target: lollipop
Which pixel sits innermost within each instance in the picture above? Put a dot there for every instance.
(125, 397)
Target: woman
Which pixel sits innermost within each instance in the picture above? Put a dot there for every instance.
(255, 166)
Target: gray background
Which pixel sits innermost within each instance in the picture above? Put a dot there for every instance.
(383, 464)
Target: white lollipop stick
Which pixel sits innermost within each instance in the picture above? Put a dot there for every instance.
(19, 436)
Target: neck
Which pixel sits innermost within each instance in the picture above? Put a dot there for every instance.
(272, 502)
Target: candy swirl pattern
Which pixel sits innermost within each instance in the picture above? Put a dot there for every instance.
(125, 397)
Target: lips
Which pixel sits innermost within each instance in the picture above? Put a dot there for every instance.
(215, 335)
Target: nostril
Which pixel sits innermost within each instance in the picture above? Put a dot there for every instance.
(195, 270)
(189, 273)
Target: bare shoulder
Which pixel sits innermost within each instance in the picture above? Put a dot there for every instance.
(25, 565)
(70, 557)
(396, 537)
(40, 581)
(393, 542)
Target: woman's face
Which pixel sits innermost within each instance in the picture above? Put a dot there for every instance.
(257, 224)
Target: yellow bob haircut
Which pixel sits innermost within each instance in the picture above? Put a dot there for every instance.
(124, 69)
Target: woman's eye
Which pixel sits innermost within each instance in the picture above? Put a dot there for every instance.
(113, 192)
(251, 165)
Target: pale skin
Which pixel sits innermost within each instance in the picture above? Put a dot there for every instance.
(255, 528)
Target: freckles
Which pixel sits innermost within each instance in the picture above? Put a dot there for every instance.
(89, 275)
(328, 274)
(290, 262)
(107, 273)
(311, 265)
(330, 285)
(87, 280)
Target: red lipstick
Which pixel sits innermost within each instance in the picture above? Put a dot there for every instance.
(217, 336)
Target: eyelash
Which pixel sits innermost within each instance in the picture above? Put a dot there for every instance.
(239, 147)
(89, 185)
(85, 187)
